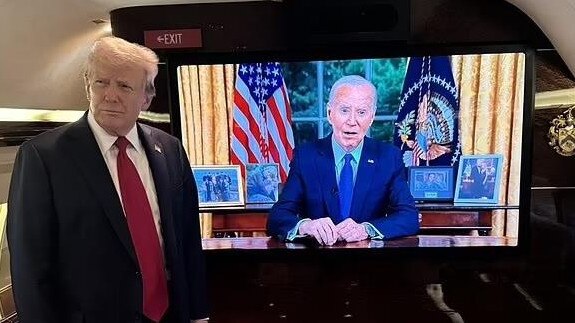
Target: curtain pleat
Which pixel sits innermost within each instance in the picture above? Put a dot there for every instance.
(491, 121)
(206, 98)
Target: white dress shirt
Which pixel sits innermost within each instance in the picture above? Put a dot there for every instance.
(137, 155)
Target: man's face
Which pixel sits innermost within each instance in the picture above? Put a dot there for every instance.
(480, 163)
(351, 114)
(117, 95)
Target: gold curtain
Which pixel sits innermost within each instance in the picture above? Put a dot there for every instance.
(206, 98)
(491, 121)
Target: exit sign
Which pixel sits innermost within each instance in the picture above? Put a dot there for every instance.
(178, 38)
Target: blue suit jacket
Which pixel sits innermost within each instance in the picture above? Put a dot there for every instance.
(380, 196)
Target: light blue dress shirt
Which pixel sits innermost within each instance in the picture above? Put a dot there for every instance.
(338, 154)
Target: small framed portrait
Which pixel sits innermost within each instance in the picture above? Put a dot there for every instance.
(219, 185)
(479, 179)
(431, 183)
(262, 183)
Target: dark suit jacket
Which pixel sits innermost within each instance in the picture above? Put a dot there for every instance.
(72, 258)
(477, 188)
(380, 196)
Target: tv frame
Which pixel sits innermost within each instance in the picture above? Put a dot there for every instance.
(383, 50)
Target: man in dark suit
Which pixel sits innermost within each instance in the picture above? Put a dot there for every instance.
(478, 175)
(346, 186)
(103, 221)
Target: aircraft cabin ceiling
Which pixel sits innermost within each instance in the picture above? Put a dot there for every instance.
(43, 46)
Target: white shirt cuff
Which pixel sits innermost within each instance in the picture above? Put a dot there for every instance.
(293, 233)
(372, 231)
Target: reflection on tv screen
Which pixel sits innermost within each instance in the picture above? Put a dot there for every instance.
(358, 153)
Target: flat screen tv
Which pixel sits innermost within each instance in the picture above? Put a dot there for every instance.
(458, 119)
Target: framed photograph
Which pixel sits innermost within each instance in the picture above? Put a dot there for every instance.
(431, 183)
(219, 185)
(262, 183)
(479, 179)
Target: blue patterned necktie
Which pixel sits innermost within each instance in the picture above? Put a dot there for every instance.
(345, 187)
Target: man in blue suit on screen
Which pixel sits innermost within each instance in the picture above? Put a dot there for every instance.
(346, 187)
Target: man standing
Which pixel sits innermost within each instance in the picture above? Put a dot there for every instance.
(103, 219)
(478, 175)
(346, 186)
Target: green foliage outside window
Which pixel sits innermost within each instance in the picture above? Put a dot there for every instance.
(387, 76)
(309, 118)
(334, 70)
(301, 82)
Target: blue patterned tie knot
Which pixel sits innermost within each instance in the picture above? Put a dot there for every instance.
(345, 187)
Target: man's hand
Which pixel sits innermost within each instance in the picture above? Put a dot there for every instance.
(323, 230)
(351, 231)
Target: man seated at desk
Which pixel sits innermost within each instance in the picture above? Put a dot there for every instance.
(346, 187)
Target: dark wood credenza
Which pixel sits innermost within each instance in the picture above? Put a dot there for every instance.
(262, 279)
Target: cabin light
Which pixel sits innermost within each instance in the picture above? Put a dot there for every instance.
(39, 115)
(50, 115)
(105, 25)
(99, 21)
(551, 99)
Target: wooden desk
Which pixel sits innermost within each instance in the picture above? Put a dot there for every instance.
(425, 241)
(252, 218)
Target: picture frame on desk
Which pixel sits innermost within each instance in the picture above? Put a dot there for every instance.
(262, 183)
(431, 183)
(479, 179)
(219, 185)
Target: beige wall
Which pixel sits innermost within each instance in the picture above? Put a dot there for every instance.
(42, 51)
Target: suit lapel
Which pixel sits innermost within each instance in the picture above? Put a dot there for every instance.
(325, 167)
(83, 148)
(365, 174)
(159, 166)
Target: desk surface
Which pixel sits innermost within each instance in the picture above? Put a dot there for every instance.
(264, 243)
(265, 207)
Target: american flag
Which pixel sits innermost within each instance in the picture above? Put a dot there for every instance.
(262, 130)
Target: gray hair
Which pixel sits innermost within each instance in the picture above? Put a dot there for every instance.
(117, 52)
(351, 80)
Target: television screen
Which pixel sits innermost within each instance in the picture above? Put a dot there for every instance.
(437, 142)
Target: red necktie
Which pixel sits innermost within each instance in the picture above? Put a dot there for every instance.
(144, 235)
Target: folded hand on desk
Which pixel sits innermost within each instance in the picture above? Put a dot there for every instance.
(326, 232)
(351, 231)
(323, 230)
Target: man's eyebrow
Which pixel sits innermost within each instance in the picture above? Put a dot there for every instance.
(126, 83)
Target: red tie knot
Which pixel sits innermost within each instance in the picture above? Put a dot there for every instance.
(122, 143)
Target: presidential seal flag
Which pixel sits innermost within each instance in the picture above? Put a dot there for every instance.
(427, 126)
